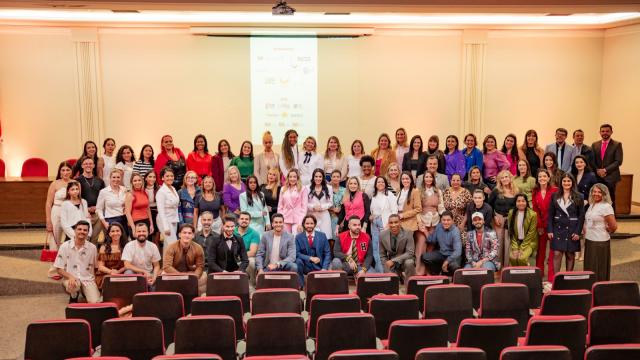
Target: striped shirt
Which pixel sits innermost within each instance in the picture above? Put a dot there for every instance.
(140, 167)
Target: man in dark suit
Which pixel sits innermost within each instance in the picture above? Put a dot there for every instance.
(312, 249)
(397, 249)
(608, 159)
(277, 249)
(226, 251)
(580, 148)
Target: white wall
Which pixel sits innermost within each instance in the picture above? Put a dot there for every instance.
(621, 95)
(168, 81)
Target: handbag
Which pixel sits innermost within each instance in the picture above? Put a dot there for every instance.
(48, 255)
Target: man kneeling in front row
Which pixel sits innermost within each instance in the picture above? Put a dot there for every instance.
(76, 262)
(445, 258)
(353, 252)
(397, 249)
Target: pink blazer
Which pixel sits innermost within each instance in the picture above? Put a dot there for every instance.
(293, 205)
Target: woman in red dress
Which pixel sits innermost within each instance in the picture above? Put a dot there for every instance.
(541, 199)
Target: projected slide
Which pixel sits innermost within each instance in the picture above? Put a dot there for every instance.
(284, 87)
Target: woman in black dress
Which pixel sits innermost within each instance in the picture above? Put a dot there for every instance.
(271, 190)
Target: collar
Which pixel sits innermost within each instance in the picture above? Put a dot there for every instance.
(84, 245)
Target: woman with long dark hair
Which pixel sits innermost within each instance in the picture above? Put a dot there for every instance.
(415, 159)
(510, 150)
(523, 222)
(124, 161)
(494, 161)
(455, 161)
(383, 155)
(542, 194)
(220, 163)
(566, 218)
(109, 257)
(108, 159)
(199, 160)
(145, 161)
(253, 202)
(531, 151)
(151, 188)
(550, 163)
(472, 155)
(56, 195)
(90, 150)
(320, 200)
(244, 161)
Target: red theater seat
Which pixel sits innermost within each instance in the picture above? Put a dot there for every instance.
(35, 167)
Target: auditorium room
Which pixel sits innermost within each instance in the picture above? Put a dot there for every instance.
(320, 179)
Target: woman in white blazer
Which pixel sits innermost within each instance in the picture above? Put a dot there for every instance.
(73, 209)
(168, 202)
(383, 205)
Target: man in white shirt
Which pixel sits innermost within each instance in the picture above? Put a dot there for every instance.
(76, 262)
(309, 161)
(277, 250)
(142, 256)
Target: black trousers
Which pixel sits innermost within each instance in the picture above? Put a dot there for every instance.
(433, 260)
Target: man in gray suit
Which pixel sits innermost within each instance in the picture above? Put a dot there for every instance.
(608, 159)
(442, 181)
(284, 259)
(396, 249)
(563, 151)
(580, 148)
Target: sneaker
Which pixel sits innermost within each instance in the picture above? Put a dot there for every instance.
(546, 287)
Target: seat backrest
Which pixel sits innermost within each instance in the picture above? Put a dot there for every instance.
(277, 279)
(364, 354)
(185, 284)
(277, 357)
(614, 325)
(235, 284)
(138, 338)
(565, 330)
(120, 289)
(188, 357)
(221, 305)
(451, 353)
(566, 302)
(214, 334)
(388, 308)
(407, 337)
(336, 332)
(325, 282)
(58, 339)
(166, 306)
(276, 334)
(547, 352)
(530, 276)
(99, 358)
(453, 303)
(476, 279)
(613, 352)
(266, 301)
(328, 304)
(35, 167)
(615, 293)
(490, 335)
(574, 280)
(2, 168)
(94, 314)
(373, 284)
(505, 300)
(416, 285)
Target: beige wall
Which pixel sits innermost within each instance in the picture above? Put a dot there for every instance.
(165, 81)
(621, 95)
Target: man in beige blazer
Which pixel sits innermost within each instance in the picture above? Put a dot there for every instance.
(396, 249)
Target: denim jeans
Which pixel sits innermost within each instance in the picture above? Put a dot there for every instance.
(376, 228)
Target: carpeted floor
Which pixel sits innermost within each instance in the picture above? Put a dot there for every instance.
(26, 294)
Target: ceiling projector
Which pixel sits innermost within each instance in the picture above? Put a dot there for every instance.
(281, 8)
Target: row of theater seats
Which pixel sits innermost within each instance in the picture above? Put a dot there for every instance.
(446, 307)
(283, 334)
(31, 167)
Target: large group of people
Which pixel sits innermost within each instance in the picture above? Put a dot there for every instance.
(405, 207)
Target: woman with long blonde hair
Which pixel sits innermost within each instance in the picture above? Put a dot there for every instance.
(232, 189)
(271, 190)
(383, 154)
(503, 200)
(293, 202)
(266, 160)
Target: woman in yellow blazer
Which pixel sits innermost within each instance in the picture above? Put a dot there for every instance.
(409, 202)
(522, 230)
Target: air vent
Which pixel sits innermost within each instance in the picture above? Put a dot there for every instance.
(552, 14)
(125, 11)
(337, 13)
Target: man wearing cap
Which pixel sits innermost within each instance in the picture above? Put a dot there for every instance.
(481, 248)
(76, 262)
